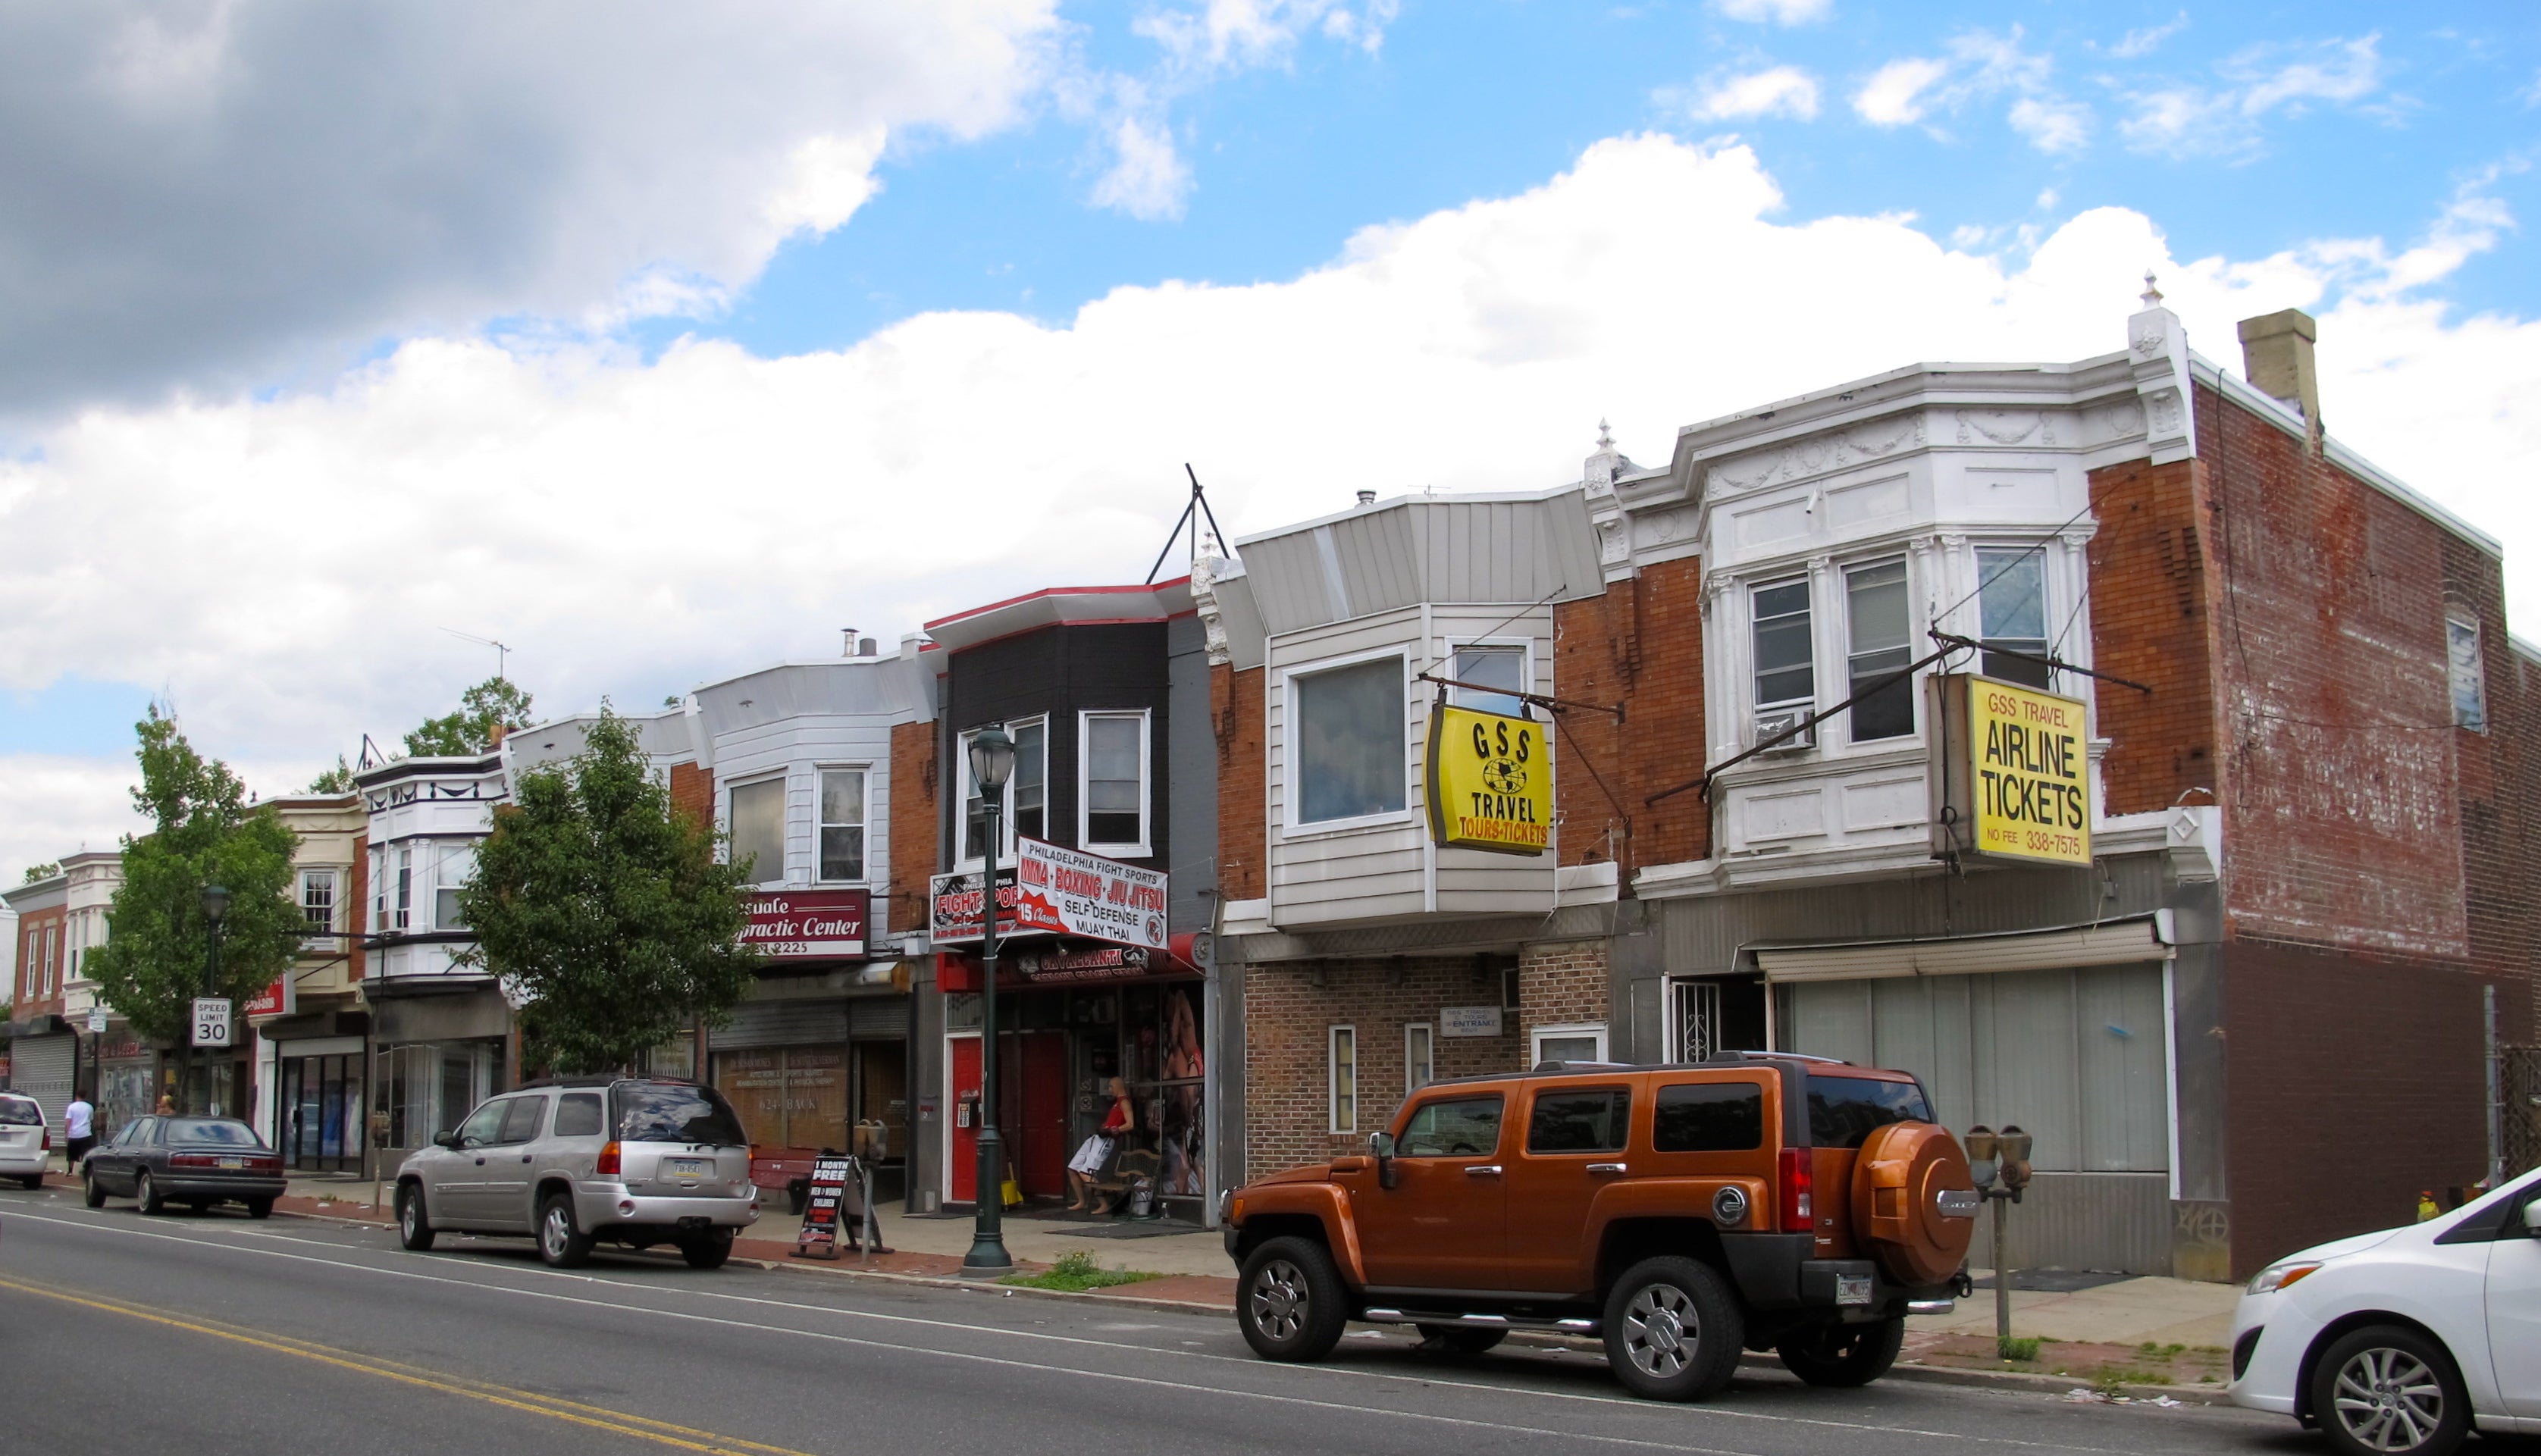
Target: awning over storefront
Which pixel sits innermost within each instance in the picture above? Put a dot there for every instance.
(2113, 943)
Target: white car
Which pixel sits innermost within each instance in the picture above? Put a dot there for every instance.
(25, 1144)
(2398, 1342)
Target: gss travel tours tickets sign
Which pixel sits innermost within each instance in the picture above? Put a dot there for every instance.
(1490, 781)
(2015, 770)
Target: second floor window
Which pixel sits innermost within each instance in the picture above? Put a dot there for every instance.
(759, 829)
(1349, 753)
(1027, 806)
(454, 866)
(1785, 665)
(842, 823)
(317, 900)
(1876, 617)
(404, 889)
(2464, 675)
(1503, 668)
(2012, 607)
(1115, 782)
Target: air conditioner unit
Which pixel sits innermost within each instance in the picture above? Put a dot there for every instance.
(1771, 725)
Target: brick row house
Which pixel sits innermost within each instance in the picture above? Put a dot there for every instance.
(2301, 771)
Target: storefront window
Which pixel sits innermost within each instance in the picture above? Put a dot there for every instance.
(787, 1096)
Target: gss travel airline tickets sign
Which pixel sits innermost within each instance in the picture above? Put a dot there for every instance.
(2018, 770)
(1490, 781)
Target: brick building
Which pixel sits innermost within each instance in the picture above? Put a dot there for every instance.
(2295, 879)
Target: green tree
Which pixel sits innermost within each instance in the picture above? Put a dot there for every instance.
(494, 704)
(204, 833)
(36, 872)
(606, 911)
(335, 780)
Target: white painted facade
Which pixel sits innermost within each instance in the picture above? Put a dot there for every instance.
(426, 817)
(91, 877)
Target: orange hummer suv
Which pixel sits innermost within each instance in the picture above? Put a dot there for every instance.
(1759, 1200)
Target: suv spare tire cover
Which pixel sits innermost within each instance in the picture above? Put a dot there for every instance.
(1898, 1179)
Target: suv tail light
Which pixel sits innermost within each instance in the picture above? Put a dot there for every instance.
(48, 1140)
(607, 1164)
(1791, 1191)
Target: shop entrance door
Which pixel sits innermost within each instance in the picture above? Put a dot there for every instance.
(961, 1180)
(1040, 1136)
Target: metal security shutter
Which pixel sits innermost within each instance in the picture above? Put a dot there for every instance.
(783, 1024)
(40, 1067)
(873, 1017)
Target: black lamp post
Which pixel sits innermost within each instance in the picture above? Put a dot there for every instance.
(216, 912)
(992, 761)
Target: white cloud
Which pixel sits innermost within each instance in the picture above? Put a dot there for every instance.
(633, 525)
(2149, 39)
(1147, 179)
(1781, 90)
(1777, 12)
(2186, 119)
(52, 805)
(2052, 125)
(1894, 94)
(201, 195)
(1239, 34)
(2345, 71)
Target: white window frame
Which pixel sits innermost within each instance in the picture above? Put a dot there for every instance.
(784, 822)
(335, 879)
(1427, 1034)
(402, 909)
(2477, 674)
(1524, 646)
(1807, 584)
(2052, 589)
(1007, 816)
(1536, 1038)
(1290, 799)
(1084, 786)
(864, 821)
(442, 851)
(1332, 1078)
(1843, 570)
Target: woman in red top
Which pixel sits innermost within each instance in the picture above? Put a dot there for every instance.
(1096, 1150)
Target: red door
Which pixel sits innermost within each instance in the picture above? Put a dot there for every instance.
(962, 1183)
(1041, 1133)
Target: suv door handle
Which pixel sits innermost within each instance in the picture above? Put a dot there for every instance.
(481, 1162)
(1482, 1170)
(525, 1157)
(1608, 1168)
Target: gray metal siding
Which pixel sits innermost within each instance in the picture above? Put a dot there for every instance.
(2113, 1222)
(1188, 757)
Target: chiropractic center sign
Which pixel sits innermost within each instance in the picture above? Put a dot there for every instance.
(2014, 777)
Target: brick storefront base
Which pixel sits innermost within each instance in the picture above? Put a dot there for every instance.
(1563, 984)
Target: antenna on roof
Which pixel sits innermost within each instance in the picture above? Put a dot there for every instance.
(1192, 510)
(499, 649)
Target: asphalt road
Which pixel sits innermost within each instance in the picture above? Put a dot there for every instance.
(209, 1334)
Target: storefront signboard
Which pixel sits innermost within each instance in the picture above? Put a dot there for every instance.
(1073, 892)
(1080, 964)
(1490, 781)
(808, 924)
(1469, 1021)
(955, 903)
(2013, 780)
(281, 998)
(827, 1196)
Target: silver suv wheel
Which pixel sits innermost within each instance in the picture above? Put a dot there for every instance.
(1280, 1299)
(555, 1231)
(1660, 1329)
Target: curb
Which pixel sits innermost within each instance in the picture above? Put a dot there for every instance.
(2023, 1380)
(988, 1287)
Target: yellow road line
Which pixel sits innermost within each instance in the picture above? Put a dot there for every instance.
(554, 1407)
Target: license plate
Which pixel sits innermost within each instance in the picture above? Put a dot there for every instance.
(233, 1162)
(687, 1169)
(1851, 1288)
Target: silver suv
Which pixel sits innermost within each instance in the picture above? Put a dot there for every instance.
(640, 1161)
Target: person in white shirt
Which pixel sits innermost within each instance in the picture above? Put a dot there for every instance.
(79, 1127)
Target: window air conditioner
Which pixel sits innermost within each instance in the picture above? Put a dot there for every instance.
(1780, 722)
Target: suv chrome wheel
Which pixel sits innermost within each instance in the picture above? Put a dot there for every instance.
(1291, 1306)
(1673, 1330)
(2389, 1391)
(1280, 1299)
(1661, 1328)
(562, 1243)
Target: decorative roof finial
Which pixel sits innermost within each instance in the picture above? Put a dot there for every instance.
(1605, 436)
(2151, 295)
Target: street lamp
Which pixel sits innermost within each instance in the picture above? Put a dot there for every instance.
(216, 910)
(992, 761)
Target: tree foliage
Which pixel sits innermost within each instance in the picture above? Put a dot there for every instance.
(604, 910)
(157, 944)
(45, 871)
(335, 780)
(494, 704)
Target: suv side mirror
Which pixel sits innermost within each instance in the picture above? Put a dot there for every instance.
(444, 1140)
(2533, 1218)
(1380, 1146)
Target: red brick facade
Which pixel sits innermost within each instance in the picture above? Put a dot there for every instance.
(917, 776)
(693, 790)
(1563, 984)
(1640, 645)
(1287, 1045)
(43, 962)
(1237, 703)
(2153, 583)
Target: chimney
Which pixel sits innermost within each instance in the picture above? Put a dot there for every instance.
(2276, 356)
(1367, 498)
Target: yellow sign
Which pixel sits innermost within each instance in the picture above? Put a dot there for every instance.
(2026, 771)
(1490, 781)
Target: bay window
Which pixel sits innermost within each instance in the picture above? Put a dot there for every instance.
(1877, 622)
(1113, 787)
(1350, 749)
(1785, 670)
(842, 823)
(2012, 610)
(1487, 667)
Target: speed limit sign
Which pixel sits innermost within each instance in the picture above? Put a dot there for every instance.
(211, 1021)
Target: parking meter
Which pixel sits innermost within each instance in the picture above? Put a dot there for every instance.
(1983, 1148)
(2014, 1145)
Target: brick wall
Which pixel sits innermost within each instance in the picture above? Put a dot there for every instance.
(2154, 584)
(2356, 1083)
(1237, 703)
(916, 819)
(1640, 645)
(2344, 825)
(692, 790)
(358, 888)
(1287, 1056)
(1563, 984)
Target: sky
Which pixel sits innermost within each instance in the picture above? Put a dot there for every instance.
(659, 342)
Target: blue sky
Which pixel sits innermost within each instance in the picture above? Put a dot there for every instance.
(659, 348)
